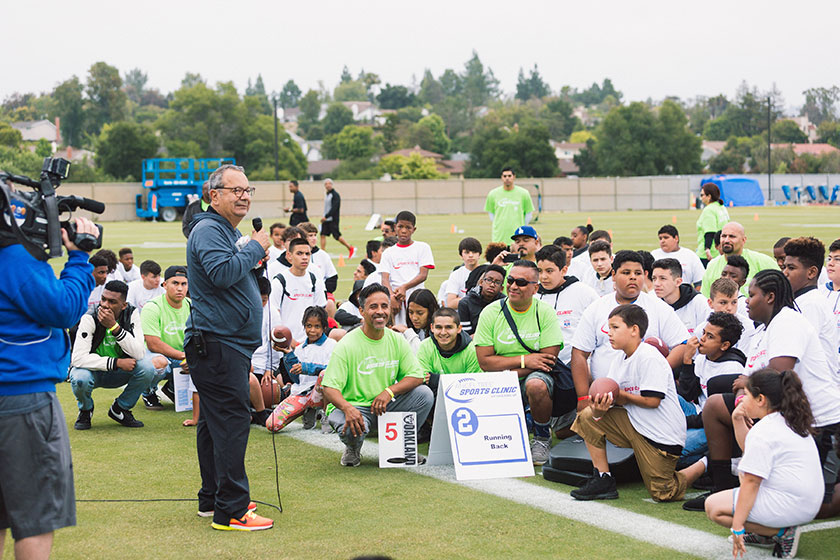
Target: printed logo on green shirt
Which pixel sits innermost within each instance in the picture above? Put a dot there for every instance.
(369, 364)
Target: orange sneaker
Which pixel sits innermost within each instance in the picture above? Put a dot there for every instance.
(251, 507)
(248, 522)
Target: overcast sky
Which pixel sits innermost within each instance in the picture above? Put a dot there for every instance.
(648, 48)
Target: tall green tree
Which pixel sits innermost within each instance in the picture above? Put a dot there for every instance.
(310, 110)
(338, 116)
(820, 104)
(353, 142)
(526, 149)
(135, 84)
(395, 97)
(829, 131)
(290, 96)
(431, 90)
(200, 121)
(430, 134)
(107, 100)
(532, 86)
(787, 131)
(257, 91)
(480, 86)
(70, 109)
(122, 146)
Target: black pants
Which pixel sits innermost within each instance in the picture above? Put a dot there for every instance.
(224, 422)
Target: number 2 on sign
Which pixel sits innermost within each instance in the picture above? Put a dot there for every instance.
(391, 431)
(464, 421)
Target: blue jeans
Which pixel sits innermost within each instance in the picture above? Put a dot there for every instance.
(695, 446)
(165, 374)
(419, 400)
(84, 381)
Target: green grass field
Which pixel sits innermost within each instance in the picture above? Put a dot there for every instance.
(333, 512)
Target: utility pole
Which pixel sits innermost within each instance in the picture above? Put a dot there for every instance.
(276, 146)
(769, 167)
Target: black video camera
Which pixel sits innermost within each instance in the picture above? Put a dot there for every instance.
(32, 219)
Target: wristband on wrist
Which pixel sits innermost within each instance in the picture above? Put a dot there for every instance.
(522, 361)
(739, 532)
(390, 392)
(113, 328)
(583, 398)
(738, 399)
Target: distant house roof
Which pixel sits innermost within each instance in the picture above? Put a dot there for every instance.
(568, 167)
(322, 167)
(416, 150)
(32, 131)
(451, 166)
(813, 149)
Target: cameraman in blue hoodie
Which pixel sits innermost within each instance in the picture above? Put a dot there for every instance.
(222, 333)
(36, 475)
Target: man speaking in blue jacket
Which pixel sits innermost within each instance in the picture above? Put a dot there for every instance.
(222, 333)
(36, 474)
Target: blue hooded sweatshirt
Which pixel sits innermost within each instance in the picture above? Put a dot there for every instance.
(226, 302)
(35, 309)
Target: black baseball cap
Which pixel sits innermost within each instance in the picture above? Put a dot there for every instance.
(175, 270)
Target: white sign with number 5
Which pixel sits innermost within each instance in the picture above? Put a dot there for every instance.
(397, 439)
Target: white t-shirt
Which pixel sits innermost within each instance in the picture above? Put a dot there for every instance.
(403, 263)
(265, 357)
(457, 282)
(580, 267)
(812, 306)
(693, 312)
(128, 276)
(744, 343)
(647, 373)
(569, 303)
(274, 252)
(692, 268)
(742, 305)
(275, 267)
(374, 277)
(96, 295)
(138, 295)
(792, 488)
(705, 369)
(323, 261)
(592, 334)
(790, 334)
(297, 296)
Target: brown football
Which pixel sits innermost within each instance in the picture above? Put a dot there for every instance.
(603, 385)
(281, 336)
(271, 393)
(659, 344)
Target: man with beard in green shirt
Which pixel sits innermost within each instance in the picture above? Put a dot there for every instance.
(371, 371)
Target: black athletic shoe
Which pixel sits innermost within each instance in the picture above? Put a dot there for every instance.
(260, 417)
(83, 420)
(696, 504)
(124, 417)
(168, 390)
(597, 488)
(152, 402)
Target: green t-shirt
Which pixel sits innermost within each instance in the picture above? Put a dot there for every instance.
(493, 329)
(361, 368)
(757, 261)
(712, 219)
(160, 319)
(431, 361)
(509, 209)
(109, 347)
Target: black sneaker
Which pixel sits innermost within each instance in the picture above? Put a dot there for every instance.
(600, 487)
(124, 417)
(260, 417)
(83, 420)
(152, 402)
(168, 390)
(696, 504)
(309, 418)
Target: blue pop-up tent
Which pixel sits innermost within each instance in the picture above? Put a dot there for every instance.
(737, 191)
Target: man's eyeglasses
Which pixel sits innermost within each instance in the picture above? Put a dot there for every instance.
(521, 282)
(492, 282)
(238, 191)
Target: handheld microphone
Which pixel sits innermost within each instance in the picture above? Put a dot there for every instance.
(257, 223)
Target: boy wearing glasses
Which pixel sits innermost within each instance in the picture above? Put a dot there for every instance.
(498, 347)
(487, 290)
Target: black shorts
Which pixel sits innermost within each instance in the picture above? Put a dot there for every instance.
(330, 228)
(36, 472)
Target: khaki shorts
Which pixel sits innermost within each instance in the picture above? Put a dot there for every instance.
(662, 481)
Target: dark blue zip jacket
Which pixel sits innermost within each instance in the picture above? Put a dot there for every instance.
(35, 309)
(226, 302)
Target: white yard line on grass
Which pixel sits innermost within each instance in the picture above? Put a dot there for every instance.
(598, 514)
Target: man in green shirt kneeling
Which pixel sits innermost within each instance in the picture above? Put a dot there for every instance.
(371, 371)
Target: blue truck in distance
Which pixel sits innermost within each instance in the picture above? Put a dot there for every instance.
(168, 182)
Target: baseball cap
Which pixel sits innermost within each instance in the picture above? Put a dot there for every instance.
(175, 270)
(524, 230)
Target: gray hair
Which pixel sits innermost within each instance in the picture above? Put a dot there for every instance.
(215, 179)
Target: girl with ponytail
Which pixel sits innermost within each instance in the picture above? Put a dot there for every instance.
(781, 478)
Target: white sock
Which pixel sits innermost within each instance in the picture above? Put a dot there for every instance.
(603, 474)
(705, 461)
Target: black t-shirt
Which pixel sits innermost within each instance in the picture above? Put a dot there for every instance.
(298, 203)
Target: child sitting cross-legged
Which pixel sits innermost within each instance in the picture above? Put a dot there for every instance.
(650, 419)
(306, 365)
